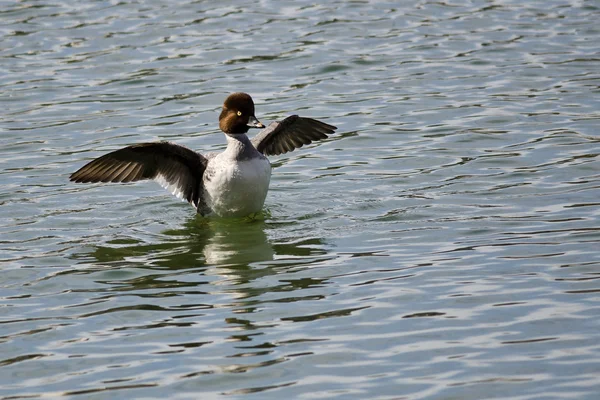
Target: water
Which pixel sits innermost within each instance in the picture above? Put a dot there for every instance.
(443, 244)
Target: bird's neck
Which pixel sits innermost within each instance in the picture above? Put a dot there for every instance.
(239, 147)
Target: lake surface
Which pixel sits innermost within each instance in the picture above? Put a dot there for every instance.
(443, 244)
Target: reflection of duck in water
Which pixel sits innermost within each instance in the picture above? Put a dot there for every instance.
(200, 243)
(233, 183)
(233, 250)
(235, 244)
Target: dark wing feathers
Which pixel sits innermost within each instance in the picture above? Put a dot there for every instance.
(175, 167)
(291, 133)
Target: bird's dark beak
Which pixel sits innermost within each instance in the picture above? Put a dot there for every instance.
(254, 123)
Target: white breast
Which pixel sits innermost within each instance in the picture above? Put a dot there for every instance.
(236, 188)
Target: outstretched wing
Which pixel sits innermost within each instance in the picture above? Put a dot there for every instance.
(291, 133)
(175, 167)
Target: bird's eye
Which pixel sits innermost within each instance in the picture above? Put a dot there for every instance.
(239, 113)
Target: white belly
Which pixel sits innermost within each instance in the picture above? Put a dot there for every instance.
(237, 189)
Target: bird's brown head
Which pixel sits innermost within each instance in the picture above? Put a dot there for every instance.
(237, 115)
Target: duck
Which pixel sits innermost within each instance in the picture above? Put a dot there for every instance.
(232, 183)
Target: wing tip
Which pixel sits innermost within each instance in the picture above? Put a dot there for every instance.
(77, 177)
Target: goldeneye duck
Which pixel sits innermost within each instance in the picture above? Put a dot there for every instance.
(233, 183)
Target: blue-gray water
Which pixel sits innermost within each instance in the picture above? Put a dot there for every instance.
(444, 244)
